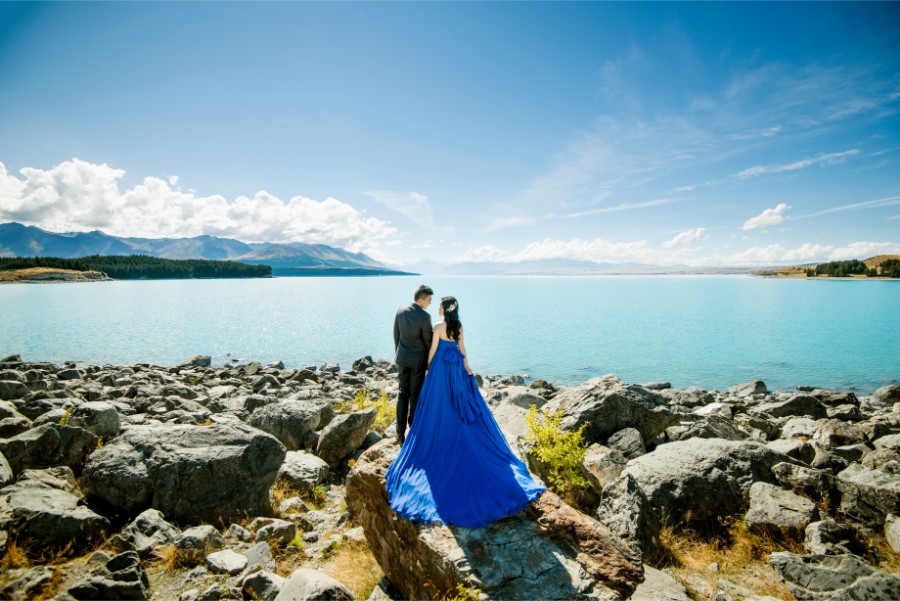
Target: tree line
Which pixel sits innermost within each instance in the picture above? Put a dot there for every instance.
(889, 268)
(132, 267)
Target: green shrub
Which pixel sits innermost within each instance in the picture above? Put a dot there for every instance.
(562, 451)
(365, 399)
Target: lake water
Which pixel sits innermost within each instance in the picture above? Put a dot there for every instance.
(709, 331)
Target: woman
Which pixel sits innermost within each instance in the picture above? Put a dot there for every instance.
(455, 466)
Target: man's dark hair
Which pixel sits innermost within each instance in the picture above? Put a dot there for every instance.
(423, 291)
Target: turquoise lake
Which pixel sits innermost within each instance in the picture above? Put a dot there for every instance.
(708, 331)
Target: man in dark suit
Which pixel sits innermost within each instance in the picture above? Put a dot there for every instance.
(412, 340)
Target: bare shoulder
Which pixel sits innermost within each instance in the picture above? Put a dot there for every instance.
(440, 326)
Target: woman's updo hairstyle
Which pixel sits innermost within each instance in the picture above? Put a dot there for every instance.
(451, 317)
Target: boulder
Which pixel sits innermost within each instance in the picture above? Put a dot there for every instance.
(216, 473)
(887, 395)
(97, 417)
(226, 562)
(627, 512)
(36, 407)
(628, 442)
(13, 389)
(262, 585)
(13, 426)
(774, 511)
(798, 448)
(799, 427)
(868, 495)
(749, 389)
(892, 532)
(805, 481)
(692, 481)
(196, 361)
(659, 586)
(833, 577)
(713, 426)
(548, 551)
(259, 557)
(29, 585)
(604, 464)
(195, 543)
(344, 435)
(302, 471)
(148, 530)
(310, 585)
(891, 441)
(827, 537)
(122, 577)
(48, 445)
(41, 516)
(291, 421)
(796, 406)
(606, 405)
(6, 473)
(279, 532)
(834, 433)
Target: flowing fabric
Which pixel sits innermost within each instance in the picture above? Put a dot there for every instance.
(456, 466)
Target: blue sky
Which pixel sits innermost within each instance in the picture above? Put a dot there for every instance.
(661, 133)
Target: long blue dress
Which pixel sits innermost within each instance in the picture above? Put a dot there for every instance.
(455, 466)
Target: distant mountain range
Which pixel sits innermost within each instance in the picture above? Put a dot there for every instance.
(294, 258)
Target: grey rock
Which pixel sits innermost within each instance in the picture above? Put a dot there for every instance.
(626, 511)
(302, 471)
(892, 531)
(659, 586)
(797, 448)
(833, 578)
(851, 453)
(192, 474)
(834, 433)
(147, 531)
(262, 585)
(259, 557)
(805, 481)
(330, 367)
(827, 537)
(196, 361)
(123, 577)
(310, 585)
(70, 374)
(606, 405)
(827, 460)
(8, 409)
(713, 426)
(226, 562)
(6, 473)
(38, 514)
(850, 413)
(797, 405)
(13, 426)
(219, 592)
(196, 543)
(279, 532)
(892, 442)
(49, 445)
(98, 417)
(29, 585)
(60, 478)
(774, 510)
(868, 495)
(238, 532)
(291, 421)
(749, 389)
(880, 457)
(699, 479)
(344, 435)
(887, 395)
(628, 441)
(799, 427)
(13, 389)
(604, 464)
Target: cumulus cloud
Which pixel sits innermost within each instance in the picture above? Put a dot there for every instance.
(864, 250)
(767, 217)
(826, 159)
(687, 238)
(80, 196)
(413, 205)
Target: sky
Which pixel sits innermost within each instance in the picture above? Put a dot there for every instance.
(700, 134)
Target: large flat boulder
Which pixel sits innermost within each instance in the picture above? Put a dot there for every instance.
(292, 422)
(868, 495)
(193, 474)
(48, 445)
(692, 481)
(833, 578)
(548, 551)
(606, 405)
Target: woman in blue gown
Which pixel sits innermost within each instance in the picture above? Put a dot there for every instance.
(455, 466)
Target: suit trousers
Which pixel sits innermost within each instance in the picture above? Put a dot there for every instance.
(411, 379)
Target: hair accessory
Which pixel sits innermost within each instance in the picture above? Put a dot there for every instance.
(451, 307)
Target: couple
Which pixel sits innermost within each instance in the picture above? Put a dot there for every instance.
(455, 466)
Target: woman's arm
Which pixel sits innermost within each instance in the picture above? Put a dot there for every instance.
(435, 340)
(462, 349)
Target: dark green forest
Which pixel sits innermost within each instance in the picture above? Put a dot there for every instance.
(839, 269)
(133, 267)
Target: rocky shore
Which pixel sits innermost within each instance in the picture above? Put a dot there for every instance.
(255, 481)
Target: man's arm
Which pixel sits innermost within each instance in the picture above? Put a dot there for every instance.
(396, 331)
(427, 331)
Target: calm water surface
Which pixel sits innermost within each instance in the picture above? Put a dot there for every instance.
(709, 331)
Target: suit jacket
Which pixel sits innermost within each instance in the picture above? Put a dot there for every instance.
(412, 336)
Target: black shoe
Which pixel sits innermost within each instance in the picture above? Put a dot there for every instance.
(401, 440)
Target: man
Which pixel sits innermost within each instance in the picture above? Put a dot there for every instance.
(412, 341)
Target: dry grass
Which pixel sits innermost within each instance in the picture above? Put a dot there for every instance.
(353, 564)
(36, 273)
(891, 561)
(51, 588)
(15, 557)
(742, 557)
(165, 557)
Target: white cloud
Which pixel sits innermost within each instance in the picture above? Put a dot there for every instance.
(413, 205)
(687, 238)
(869, 204)
(501, 223)
(485, 253)
(79, 196)
(767, 217)
(893, 217)
(827, 159)
(864, 250)
(625, 206)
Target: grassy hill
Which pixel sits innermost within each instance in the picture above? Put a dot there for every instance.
(800, 271)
